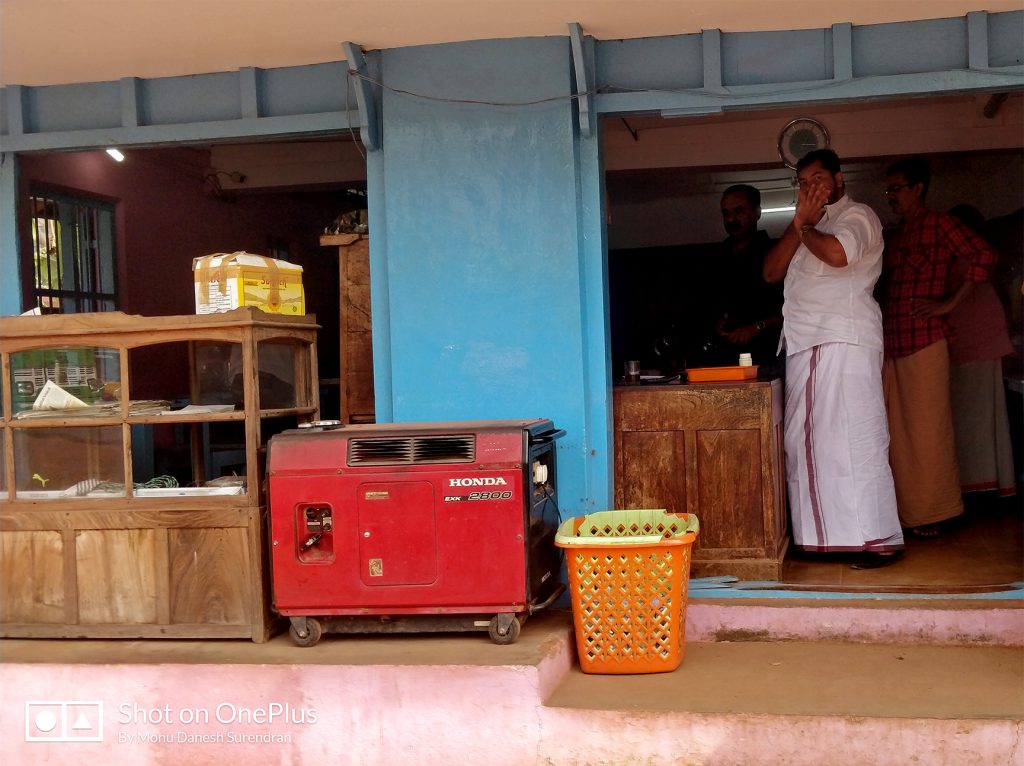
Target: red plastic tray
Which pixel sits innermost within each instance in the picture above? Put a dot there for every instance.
(720, 374)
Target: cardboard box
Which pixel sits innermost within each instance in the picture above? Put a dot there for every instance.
(226, 281)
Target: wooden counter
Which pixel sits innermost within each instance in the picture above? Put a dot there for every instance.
(713, 449)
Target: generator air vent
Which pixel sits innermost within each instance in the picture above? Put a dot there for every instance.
(381, 451)
(444, 449)
(410, 450)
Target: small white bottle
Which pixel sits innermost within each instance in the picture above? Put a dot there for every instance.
(746, 360)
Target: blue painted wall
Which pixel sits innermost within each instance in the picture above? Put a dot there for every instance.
(492, 255)
(10, 286)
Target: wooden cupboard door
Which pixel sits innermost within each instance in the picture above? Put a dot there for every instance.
(31, 577)
(116, 575)
(652, 471)
(356, 331)
(358, 377)
(776, 466)
(210, 575)
(728, 471)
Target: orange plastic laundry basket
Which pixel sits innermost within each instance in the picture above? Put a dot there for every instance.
(628, 575)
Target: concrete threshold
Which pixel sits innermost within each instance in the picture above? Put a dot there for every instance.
(941, 622)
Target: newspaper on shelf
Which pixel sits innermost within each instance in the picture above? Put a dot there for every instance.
(196, 409)
(53, 397)
(102, 410)
(148, 406)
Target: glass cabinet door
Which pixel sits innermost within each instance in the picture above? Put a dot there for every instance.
(73, 461)
(3, 442)
(64, 378)
(283, 378)
(3, 463)
(218, 374)
(89, 415)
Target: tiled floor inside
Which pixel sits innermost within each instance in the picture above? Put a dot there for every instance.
(984, 548)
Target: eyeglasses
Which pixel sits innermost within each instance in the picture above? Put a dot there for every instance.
(893, 189)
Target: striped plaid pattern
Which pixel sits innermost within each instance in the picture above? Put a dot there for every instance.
(918, 260)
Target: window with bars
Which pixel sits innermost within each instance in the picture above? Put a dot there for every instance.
(73, 254)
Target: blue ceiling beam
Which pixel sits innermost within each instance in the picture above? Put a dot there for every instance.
(130, 102)
(369, 124)
(249, 103)
(682, 74)
(676, 103)
(583, 67)
(200, 132)
(249, 79)
(842, 51)
(764, 68)
(711, 55)
(977, 40)
(13, 104)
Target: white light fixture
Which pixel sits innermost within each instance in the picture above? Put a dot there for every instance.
(691, 111)
(787, 209)
(116, 154)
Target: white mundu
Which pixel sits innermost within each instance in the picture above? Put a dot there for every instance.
(837, 451)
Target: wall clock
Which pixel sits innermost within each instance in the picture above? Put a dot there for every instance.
(799, 137)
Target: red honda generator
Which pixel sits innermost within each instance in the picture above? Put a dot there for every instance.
(409, 527)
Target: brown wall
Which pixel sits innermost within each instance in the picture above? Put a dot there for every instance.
(168, 213)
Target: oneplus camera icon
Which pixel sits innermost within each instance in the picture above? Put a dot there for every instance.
(64, 721)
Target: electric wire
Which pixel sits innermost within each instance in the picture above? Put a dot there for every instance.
(477, 102)
(348, 97)
(549, 498)
(724, 93)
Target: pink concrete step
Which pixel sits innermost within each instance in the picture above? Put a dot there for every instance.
(460, 699)
(769, 703)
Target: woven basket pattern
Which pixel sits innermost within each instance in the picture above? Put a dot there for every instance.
(631, 604)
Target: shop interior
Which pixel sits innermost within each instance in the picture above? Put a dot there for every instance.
(664, 179)
(664, 222)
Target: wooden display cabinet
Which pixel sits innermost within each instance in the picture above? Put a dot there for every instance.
(713, 449)
(95, 539)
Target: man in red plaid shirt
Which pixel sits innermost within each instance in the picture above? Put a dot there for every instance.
(918, 261)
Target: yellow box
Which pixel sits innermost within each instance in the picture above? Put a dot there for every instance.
(226, 281)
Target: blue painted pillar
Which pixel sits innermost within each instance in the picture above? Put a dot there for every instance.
(491, 274)
(10, 285)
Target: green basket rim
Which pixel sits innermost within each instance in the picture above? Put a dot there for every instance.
(567, 536)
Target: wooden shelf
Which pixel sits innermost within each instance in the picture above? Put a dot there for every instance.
(63, 422)
(128, 566)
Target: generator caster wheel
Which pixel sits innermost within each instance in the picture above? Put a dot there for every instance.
(504, 628)
(312, 629)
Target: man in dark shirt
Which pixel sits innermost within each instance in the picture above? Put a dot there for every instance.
(749, 310)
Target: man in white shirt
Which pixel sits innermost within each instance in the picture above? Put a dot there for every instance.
(836, 434)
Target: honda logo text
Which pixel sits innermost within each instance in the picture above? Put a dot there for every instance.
(478, 481)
